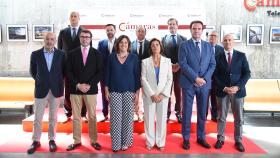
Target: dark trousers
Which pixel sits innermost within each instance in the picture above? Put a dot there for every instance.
(105, 103)
(178, 94)
(67, 102)
(213, 101)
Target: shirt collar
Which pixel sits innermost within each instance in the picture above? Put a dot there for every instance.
(113, 40)
(170, 34)
(45, 51)
(231, 52)
(196, 40)
(141, 41)
(77, 27)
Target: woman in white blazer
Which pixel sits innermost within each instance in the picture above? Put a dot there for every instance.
(156, 79)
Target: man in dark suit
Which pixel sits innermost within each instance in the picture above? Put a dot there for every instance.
(47, 69)
(140, 47)
(84, 70)
(213, 40)
(171, 44)
(231, 75)
(197, 64)
(68, 39)
(106, 47)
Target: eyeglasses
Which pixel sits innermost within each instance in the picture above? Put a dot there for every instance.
(85, 37)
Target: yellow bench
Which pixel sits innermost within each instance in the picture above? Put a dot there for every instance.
(17, 93)
(263, 95)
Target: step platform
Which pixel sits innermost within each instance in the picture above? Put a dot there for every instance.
(104, 127)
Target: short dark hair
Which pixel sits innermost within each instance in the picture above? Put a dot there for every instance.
(171, 20)
(114, 26)
(195, 22)
(118, 41)
(86, 31)
(150, 46)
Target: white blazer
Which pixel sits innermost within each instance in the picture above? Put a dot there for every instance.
(149, 81)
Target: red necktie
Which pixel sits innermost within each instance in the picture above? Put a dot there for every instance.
(229, 59)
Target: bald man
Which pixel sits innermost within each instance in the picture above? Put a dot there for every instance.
(231, 75)
(47, 67)
(68, 39)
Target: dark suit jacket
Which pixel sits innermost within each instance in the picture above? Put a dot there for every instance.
(237, 75)
(46, 80)
(90, 73)
(218, 49)
(145, 54)
(103, 49)
(65, 42)
(192, 67)
(169, 51)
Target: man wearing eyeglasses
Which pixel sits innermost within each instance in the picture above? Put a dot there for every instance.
(217, 49)
(84, 70)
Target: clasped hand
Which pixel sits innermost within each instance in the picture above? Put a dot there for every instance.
(83, 87)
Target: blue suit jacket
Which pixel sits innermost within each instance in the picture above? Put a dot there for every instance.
(192, 67)
(46, 80)
(103, 49)
(237, 75)
(145, 54)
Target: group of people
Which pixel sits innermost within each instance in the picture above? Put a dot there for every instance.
(193, 67)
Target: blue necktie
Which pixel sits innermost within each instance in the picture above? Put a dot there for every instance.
(173, 41)
(197, 48)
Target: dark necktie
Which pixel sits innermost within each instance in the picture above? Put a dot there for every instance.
(229, 59)
(173, 41)
(74, 33)
(140, 49)
(197, 48)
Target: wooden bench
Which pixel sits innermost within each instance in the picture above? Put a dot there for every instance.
(263, 96)
(17, 93)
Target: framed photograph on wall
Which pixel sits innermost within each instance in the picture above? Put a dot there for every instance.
(234, 30)
(17, 33)
(39, 31)
(255, 34)
(206, 31)
(274, 35)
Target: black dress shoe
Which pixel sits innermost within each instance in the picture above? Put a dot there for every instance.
(96, 146)
(203, 143)
(105, 119)
(214, 119)
(73, 146)
(239, 146)
(186, 144)
(67, 120)
(179, 117)
(219, 144)
(85, 119)
(33, 147)
(52, 146)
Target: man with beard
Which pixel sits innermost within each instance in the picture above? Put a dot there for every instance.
(106, 47)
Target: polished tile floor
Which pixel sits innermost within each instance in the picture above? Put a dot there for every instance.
(263, 129)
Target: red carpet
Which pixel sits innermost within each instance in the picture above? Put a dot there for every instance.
(22, 141)
(104, 127)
